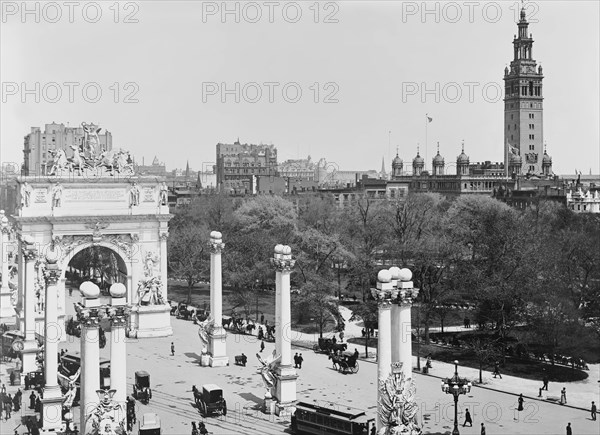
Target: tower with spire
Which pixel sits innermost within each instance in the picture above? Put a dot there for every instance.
(523, 110)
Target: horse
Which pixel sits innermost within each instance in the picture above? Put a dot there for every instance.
(59, 161)
(226, 322)
(335, 360)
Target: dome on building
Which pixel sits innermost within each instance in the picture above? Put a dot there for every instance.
(546, 159)
(438, 159)
(397, 161)
(515, 160)
(418, 160)
(463, 158)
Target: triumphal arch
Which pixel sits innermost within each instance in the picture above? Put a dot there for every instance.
(93, 199)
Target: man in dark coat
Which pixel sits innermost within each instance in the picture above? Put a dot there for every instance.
(32, 400)
(300, 359)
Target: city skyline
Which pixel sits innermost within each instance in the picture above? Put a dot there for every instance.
(370, 61)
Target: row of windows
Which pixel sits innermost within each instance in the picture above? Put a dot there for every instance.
(532, 136)
(531, 147)
(323, 420)
(531, 115)
(531, 126)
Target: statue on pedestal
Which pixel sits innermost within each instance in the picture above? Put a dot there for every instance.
(26, 195)
(105, 418)
(206, 330)
(150, 287)
(267, 371)
(398, 406)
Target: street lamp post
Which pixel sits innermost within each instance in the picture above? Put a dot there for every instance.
(456, 386)
(256, 294)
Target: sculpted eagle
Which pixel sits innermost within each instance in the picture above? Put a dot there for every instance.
(398, 407)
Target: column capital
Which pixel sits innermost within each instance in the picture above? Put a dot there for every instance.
(164, 235)
(216, 246)
(52, 274)
(29, 252)
(118, 314)
(407, 296)
(283, 264)
(89, 317)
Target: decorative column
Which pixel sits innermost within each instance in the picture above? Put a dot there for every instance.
(30, 346)
(51, 395)
(217, 345)
(118, 313)
(89, 313)
(395, 388)
(164, 235)
(7, 312)
(403, 297)
(285, 373)
(384, 341)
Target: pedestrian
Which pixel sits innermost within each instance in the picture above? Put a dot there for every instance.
(356, 354)
(497, 370)
(262, 318)
(363, 332)
(428, 363)
(202, 428)
(569, 430)
(520, 408)
(194, 428)
(540, 392)
(38, 405)
(342, 337)
(563, 396)
(172, 349)
(545, 381)
(262, 345)
(296, 360)
(16, 404)
(32, 400)
(8, 406)
(468, 419)
(3, 391)
(482, 429)
(300, 359)
(12, 378)
(593, 411)
(27, 382)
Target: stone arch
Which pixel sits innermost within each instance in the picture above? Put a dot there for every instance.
(122, 258)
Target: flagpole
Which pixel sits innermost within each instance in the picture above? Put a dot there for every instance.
(506, 159)
(426, 122)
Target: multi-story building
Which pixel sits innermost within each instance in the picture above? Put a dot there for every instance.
(300, 169)
(523, 110)
(157, 168)
(239, 163)
(38, 144)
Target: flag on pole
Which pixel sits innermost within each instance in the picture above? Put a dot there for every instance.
(429, 118)
(513, 150)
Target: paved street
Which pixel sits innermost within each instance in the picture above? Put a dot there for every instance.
(173, 377)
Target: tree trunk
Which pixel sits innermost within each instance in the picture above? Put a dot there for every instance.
(189, 295)
(442, 324)
(480, 372)
(367, 335)
(427, 316)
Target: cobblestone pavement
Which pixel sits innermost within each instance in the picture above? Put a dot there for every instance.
(173, 377)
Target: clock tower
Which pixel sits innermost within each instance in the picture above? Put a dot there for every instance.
(523, 111)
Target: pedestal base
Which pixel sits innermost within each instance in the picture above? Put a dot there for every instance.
(285, 391)
(218, 361)
(51, 409)
(217, 346)
(151, 321)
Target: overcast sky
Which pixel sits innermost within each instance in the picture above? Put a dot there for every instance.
(371, 61)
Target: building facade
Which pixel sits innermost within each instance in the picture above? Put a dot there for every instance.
(39, 145)
(300, 169)
(239, 163)
(523, 107)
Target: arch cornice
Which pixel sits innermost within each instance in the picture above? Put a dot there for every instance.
(93, 219)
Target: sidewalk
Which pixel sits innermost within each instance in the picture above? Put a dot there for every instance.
(580, 394)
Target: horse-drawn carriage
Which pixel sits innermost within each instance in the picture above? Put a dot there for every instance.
(141, 388)
(345, 362)
(327, 345)
(209, 400)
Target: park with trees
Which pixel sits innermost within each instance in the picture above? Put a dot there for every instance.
(527, 280)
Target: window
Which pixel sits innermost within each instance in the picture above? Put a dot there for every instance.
(508, 127)
(511, 115)
(531, 148)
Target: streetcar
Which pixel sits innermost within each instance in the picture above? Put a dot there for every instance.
(334, 418)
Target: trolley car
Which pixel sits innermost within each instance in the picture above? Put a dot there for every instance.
(331, 419)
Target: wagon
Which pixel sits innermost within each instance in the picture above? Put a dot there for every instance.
(141, 388)
(326, 345)
(210, 400)
(241, 360)
(149, 424)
